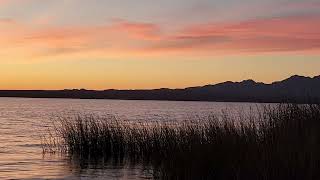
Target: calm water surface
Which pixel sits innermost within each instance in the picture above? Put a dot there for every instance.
(23, 121)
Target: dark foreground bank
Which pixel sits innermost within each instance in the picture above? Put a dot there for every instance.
(283, 142)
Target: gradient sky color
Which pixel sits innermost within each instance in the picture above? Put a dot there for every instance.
(102, 44)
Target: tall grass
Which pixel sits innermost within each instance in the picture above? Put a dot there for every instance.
(283, 142)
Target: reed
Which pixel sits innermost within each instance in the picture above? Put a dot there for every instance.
(282, 142)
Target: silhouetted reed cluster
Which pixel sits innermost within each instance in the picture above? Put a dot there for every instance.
(281, 142)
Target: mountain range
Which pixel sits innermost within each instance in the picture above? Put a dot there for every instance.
(296, 88)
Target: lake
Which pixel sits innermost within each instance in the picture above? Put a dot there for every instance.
(23, 121)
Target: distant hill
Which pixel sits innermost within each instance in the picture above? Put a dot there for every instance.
(298, 89)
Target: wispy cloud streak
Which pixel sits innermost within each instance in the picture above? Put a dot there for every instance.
(125, 38)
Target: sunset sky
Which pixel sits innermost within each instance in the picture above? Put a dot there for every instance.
(139, 44)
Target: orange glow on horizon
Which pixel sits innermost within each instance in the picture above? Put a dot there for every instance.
(131, 54)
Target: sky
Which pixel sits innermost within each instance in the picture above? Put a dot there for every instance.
(146, 44)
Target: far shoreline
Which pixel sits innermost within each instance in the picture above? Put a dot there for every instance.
(156, 100)
(295, 89)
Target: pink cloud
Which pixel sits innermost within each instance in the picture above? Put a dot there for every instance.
(262, 35)
(147, 31)
(125, 38)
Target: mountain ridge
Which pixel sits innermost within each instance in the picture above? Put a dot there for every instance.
(300, 89)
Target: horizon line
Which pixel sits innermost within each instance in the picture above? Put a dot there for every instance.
(146, 89)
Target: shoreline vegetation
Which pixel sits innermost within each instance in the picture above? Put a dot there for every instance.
(281, 142)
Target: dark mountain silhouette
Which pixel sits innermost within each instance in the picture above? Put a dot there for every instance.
(298, 89)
